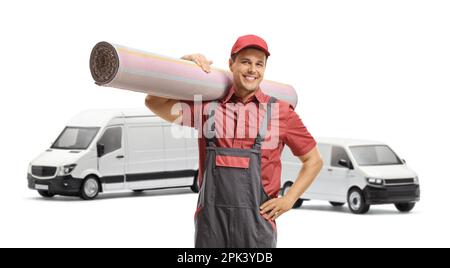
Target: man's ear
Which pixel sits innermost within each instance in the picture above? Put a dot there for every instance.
(230, 63)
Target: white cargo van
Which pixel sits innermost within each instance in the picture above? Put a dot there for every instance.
(359, 173)
(113, 150)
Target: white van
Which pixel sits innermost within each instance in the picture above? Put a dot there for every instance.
(113, 150)
(360, 173)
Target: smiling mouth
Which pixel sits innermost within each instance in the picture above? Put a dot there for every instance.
(249, 78)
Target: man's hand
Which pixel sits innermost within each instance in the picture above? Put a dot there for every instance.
(200, 60)
(275, 207)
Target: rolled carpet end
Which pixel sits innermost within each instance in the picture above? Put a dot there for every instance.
(104, 63)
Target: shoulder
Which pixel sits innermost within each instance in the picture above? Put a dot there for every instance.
(285, 110)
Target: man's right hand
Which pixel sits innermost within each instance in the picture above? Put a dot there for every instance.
(200, 60)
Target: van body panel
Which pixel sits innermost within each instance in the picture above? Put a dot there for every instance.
(86, 165)
(58, 157)
(192, 143)
(88, 172)
(388, 171)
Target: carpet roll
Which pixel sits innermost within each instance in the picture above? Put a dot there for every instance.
(131, 69)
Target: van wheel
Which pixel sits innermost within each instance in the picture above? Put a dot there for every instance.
(45, 194)
(284, 191)
(405, 207)
(357, 202)
(194, 186)
(90, 188)
(337, 204)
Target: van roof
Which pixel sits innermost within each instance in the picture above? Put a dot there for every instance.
(346, 142)
(101, 117)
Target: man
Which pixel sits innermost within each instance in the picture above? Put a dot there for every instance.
(239, 175)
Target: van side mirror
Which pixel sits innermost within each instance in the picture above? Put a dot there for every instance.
(345, 163)
(404, 161)
(100, 149)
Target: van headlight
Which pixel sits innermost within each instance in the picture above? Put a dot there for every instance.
(375, 181)
(66, 170)
(416, 180)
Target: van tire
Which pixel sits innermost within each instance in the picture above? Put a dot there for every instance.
(45, 194)
(405, 207)
(357, 202)
(337, 204)
(195, 187)
(284, 191)
(90, 188)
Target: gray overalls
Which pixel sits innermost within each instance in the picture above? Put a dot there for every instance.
(228, 214)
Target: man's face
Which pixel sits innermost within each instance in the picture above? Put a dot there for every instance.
(248, 69)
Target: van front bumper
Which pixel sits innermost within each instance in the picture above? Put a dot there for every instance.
(61, 185)
(392, 194)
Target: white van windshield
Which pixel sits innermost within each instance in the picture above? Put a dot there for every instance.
(75, 138)
(374, 155)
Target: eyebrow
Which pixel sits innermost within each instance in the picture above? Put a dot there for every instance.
(259, 61)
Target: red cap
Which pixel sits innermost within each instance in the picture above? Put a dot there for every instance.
(250, 41)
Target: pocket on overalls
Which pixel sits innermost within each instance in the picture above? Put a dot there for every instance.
(232, 185)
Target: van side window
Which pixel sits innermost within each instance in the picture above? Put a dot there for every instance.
(338, 153)
(112, 139)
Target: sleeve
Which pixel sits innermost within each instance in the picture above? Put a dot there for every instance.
(191, 113)
(296, 135)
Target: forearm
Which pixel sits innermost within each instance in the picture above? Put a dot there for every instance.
(162, 107)
(154, 101)
(305, 178)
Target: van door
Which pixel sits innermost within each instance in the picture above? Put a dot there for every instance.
(336, 182)
(111, 164)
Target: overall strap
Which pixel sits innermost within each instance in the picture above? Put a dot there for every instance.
(210, 134)
(264, 125)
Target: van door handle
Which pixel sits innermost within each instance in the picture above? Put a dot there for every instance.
(119, 156)
(330, 169)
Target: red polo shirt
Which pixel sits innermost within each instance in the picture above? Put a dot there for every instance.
(238, 126)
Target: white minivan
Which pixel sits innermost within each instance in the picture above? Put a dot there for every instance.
(359, 173)
(113, 150)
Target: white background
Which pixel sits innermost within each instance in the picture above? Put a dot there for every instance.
(362, 69)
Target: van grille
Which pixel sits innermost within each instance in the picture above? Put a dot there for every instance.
(397, 192)
(399, 181)
(43, 171)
